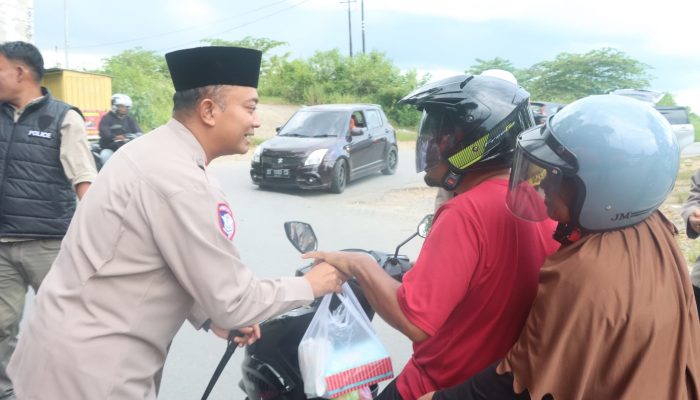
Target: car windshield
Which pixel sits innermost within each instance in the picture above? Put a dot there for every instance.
(308, 123)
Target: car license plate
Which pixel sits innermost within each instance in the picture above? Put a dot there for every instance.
(277, 173)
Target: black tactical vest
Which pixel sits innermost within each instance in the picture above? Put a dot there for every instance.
(36, 198)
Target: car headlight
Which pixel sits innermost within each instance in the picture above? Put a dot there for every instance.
(256, 154)
(315, 157)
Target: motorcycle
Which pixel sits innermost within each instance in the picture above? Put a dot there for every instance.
(96, 149)
(270, 368)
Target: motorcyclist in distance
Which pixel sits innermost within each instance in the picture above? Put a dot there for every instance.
(115, 125)
(465, 300)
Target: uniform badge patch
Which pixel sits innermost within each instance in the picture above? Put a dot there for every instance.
(226, 222)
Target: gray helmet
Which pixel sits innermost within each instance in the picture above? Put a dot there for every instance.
(620, 153)
(470, 122)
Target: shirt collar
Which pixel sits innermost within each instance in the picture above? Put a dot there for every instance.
(187, 137)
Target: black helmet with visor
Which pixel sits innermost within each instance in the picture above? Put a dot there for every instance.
(469, 122)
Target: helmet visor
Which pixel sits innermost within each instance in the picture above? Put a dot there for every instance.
(438, 136)
(529, 184)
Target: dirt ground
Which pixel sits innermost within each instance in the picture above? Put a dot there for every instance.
(272, 116)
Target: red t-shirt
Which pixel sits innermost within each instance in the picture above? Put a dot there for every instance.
(471, 287)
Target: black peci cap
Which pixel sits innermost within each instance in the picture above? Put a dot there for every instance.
(214, 65)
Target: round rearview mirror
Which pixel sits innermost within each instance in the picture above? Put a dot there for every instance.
(301, 235)
(424, 225)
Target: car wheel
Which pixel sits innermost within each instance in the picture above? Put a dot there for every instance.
(340, 176)
(392, 160)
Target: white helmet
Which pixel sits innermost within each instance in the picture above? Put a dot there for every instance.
(119, 99)
(500, 73)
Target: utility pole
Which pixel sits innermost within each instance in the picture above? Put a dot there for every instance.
(349, 23)
(65, 31)
(362, 14)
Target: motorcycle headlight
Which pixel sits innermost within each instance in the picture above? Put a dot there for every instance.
(315, 157)
(256, 154)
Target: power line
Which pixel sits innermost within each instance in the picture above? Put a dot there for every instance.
(178, 30)
(238, 26)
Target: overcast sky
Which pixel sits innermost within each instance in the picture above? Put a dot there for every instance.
(442, 37)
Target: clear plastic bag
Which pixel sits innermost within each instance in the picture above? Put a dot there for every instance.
(340, 352)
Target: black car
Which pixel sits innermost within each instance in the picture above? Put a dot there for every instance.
(543, 109)
(318, 148)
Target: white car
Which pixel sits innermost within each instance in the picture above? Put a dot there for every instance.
(680, 122)
(676, 115)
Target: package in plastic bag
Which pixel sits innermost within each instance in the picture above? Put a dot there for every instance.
(340, 352)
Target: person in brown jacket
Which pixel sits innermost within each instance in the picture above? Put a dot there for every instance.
(691, 216)
(615, 315)
(153, 245)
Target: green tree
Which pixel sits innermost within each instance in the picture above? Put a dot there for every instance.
(262, 44)
(667, 100)
(144, 76)
(572, 76)
(494, 63)
(330, 77)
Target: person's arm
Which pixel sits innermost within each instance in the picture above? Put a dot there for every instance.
(486, 385)
(691, 208)
(76, 158)
(438, 281)
(105, 128)
(379, 287)
(81, 189)
(188, 230)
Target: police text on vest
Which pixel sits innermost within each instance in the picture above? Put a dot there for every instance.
(41, 134)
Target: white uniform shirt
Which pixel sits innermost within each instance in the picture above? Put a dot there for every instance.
(150, 243)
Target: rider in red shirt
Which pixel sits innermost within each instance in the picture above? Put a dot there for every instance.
(465, 301)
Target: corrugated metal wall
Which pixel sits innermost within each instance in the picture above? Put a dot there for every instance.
(91, 93)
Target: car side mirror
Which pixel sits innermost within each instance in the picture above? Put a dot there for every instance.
(278, 129)
(356, 131)
(301, 235)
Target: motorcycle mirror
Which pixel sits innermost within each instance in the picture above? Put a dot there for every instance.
(424, 225)
(422, 231)
(301, 235)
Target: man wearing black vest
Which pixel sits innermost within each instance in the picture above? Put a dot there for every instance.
(44, 162)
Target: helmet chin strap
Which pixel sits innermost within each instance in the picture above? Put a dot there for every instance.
(451, 180)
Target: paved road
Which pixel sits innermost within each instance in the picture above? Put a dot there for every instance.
(377, 212)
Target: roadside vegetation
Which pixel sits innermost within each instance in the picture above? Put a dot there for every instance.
(672, 207)
(331, 77)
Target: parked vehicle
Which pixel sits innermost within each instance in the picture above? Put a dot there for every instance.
(271, 365)
(543, 109)
(677, 116)
(317, 148)
(680, 122)
(649, 96)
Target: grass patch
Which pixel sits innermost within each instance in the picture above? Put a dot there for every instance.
(695, 120)
(672, 207)
(276, 100)
(406, 135)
